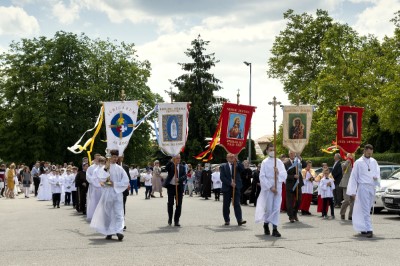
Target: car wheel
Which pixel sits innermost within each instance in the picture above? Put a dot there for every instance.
(377, 210)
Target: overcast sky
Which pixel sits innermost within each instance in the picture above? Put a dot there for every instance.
(162, 30)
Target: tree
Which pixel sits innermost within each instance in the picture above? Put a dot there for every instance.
(52, 88)
(198, 86)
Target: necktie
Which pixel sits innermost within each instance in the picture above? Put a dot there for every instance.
(231, 168)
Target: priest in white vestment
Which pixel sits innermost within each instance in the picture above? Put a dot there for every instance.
(108, 218)
(270, 198)
(363, 180)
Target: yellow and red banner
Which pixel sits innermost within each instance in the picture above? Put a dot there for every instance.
(349, 125)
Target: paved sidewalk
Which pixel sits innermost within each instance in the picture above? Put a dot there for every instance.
(33, 233)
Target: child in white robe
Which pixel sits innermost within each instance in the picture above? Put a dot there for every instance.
(148, 184)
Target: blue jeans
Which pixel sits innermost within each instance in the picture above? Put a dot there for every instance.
(134, 185)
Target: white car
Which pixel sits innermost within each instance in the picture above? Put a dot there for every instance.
(386, 181)
(391, 197)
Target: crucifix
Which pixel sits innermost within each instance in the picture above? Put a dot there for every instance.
(274, 103)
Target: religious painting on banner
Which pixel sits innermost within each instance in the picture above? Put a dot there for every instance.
(296, 126)
(349, 123)
(235, 124)
(173, 123)
(120, 119)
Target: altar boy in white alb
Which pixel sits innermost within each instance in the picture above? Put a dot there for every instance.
(108, 218)
(269, 201)
(363, 180)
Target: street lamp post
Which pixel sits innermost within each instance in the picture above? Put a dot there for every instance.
(249, 64)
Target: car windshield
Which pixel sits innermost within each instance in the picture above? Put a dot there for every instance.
(395, 175)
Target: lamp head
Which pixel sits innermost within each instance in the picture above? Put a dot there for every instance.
(247, 63)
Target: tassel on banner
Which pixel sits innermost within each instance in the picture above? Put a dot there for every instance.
(77, 148)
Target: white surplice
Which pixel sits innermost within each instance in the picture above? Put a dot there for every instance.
(362, 184)
(268, 203)
(216, 180)
(327, 187)
(108, 218)
(94, 191)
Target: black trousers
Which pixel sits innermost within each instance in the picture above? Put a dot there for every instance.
(67, 198)
(226, 204)
(56, 199)
(36, 183)
(325, 202)
(293, 202)
(217, 192)
(73, 193)
(81, 205)
(125, 195)
(171, 198)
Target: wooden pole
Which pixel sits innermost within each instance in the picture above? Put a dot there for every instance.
(234, 181)
(176, 184)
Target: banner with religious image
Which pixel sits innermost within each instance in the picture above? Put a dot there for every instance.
(349, 124)
(120, 119)
(235, 125)
(173, 126)
(296, 126)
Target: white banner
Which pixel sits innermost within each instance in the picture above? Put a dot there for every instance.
(296, 126)
(173, 127)
(120, 119)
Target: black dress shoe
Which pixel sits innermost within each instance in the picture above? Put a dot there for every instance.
(342, 217)
(226, 223)
(124, 228)
(120, 236)
(177, 224)
(291, 220)
(109, 237)
(266, 230)
(296, 219)
(350, 219)
(241, 222)
(369, 234)
(275, 233)
(169, 222)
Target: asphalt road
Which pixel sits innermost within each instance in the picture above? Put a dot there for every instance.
(33, 233)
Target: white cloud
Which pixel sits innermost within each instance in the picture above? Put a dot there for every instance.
(15, 21)
(66, 15)
(375, 19)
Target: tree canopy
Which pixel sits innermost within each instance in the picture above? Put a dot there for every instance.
(51, 89)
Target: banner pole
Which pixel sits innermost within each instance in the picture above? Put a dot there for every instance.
(176, 184)
(274, 103)
(234, 181)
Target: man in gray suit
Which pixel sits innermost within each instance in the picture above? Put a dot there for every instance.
(347, 167)
(228, 185)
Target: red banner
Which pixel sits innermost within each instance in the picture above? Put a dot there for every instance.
(349, 125)
(235, 124)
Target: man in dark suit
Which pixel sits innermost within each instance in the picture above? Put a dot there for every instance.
(82, 186)
(293, 194)
(228, 185)
(176, 176)
(337, 174)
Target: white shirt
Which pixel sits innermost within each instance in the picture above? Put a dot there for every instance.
(133, 173)
(147, 180)
(216, 180)
(327, 191)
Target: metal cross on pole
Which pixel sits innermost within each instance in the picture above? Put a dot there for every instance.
(274, 103)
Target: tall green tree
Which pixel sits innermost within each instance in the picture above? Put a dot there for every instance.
(51, 91)
(197, 86)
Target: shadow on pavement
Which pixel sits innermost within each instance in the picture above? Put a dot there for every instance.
(296, 225)
(224, 228)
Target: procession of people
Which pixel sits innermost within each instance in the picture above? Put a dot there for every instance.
(97, 190)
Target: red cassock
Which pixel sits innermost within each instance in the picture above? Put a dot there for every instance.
(283, 204)
(306, 202)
